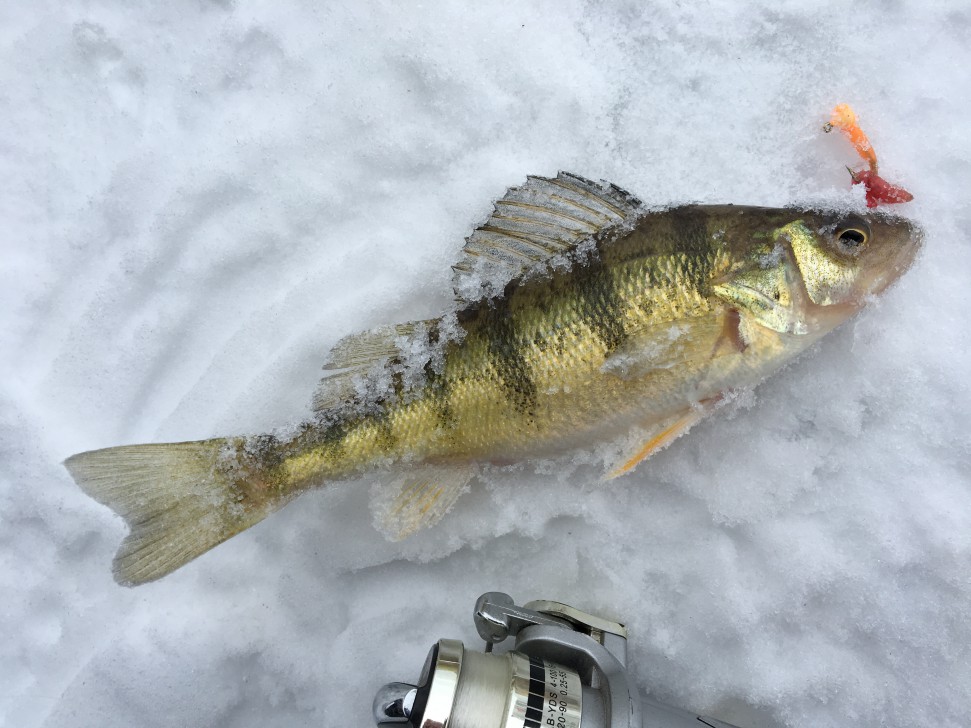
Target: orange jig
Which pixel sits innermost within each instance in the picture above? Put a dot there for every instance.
(878, 190)
(844, 119)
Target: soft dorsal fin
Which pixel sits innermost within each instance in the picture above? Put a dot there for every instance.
(534, 223)
(367, 347)
(357, 355)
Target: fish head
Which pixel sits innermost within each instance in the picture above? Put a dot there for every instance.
(846, 258)
(812, 270)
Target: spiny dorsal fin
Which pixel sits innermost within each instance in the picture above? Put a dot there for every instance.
(357, 355)
(533, 224)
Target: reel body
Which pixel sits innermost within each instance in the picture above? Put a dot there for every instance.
(567, 669)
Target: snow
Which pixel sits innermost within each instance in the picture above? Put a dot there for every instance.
(201, 198)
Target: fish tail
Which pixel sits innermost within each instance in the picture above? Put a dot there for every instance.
(179, 500)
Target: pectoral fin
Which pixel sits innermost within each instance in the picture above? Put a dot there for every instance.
(418, 499)
(663, 435)
(731, 338)
(667, 345)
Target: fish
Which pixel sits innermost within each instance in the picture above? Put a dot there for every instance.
(582, 315)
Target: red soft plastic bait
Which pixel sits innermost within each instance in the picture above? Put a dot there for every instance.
(878, 190)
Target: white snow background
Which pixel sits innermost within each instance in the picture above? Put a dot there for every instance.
(200, 198)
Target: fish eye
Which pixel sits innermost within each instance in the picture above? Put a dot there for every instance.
(852, 238)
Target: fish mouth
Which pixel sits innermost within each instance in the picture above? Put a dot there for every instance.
(907, 243)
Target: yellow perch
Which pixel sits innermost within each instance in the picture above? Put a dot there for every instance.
(581, 316)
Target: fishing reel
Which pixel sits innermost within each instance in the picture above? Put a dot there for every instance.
(567, 669)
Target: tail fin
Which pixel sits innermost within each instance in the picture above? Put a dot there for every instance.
(177, 498)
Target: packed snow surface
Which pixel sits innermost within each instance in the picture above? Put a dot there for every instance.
(200, 198)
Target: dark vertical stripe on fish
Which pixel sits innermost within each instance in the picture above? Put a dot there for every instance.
(689, 230)
(397, 380)
(693, 244)
(599, 304)
(439, 387)
(326, 432)
(439, 393)
(387, 439)
(511, 366)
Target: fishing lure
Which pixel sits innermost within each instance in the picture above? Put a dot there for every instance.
(878, 190)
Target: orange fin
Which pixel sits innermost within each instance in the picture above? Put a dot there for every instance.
(672, 430)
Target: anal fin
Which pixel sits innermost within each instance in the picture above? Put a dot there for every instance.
(670, 430)
(418, 498)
